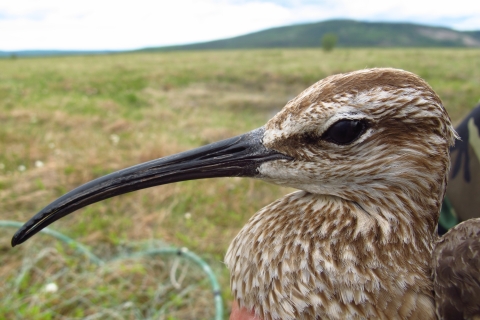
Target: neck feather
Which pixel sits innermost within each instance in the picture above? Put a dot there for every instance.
(309, 255)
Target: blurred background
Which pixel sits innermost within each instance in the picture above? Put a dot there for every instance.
(89, 87)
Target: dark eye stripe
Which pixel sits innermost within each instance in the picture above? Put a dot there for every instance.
(345, 131)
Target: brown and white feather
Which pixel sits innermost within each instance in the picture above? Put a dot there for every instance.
(456, 262)
(357, 241)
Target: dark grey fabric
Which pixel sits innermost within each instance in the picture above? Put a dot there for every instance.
(463, 190)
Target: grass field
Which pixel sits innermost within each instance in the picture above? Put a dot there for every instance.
(67, 120)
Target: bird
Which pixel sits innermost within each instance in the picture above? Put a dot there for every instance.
(369, 152)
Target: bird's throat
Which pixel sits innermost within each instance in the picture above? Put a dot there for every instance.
(308, 254)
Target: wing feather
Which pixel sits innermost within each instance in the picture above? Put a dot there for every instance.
(456, 267)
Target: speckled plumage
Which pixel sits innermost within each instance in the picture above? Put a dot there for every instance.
(357, 242)
(456, 263)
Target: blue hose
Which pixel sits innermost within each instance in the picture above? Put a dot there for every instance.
(184, 252)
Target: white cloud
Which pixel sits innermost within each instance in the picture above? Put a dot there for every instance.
(127, 24)
(110, 24)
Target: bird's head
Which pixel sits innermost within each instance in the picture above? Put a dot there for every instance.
(377, 137)
(359, 136)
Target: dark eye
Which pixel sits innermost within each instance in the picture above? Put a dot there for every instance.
(345, 131)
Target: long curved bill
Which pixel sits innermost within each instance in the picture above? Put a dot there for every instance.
(235, 157)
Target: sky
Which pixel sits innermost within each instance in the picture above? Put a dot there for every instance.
(133, 24)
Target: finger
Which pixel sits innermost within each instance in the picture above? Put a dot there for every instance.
(242, 314)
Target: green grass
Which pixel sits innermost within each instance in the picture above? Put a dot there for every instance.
(87, 116)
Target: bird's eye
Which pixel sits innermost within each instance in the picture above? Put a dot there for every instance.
(345, 131)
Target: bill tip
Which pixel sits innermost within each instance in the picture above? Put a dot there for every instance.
(16, 240)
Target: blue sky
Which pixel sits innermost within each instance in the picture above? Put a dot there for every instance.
(120, 24)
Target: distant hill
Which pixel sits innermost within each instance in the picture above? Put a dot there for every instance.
(350, 33)
(43, 53)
